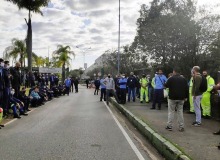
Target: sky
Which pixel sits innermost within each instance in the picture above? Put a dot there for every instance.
(83, 23)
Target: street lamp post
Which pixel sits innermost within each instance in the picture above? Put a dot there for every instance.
(84, 54)
(119, 28)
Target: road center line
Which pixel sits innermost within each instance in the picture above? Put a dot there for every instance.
(131, 143)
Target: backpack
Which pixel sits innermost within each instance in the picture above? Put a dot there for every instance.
(203, 85)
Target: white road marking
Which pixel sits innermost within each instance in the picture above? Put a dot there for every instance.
(13, 120)
(137, 152)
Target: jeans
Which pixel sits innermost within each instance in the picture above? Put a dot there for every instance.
(158, 95)
(133, 93)
(14, 108)
(196, 103)
(107, 95)
(103, 93)
(172, 104)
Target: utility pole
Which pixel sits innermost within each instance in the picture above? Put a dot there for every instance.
(119, 30)
(48, 57)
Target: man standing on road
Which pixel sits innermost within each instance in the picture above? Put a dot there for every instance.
(103, 89)
(52, 80)
(160, 80)
(178, 93)
(110, 88)
(190, 84)
(76, 83)
(197, 95)
(150, 88)
(67, 85)
(144, 88)
(123, 85)
(87, 83)
(7, 88)
(205, 102)
(132, 84)
(16, 78)
(97, 85)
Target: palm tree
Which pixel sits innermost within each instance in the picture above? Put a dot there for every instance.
(31, 6)
(62, 57)
(18, 49)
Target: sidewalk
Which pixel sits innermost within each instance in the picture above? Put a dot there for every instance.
(198, 142)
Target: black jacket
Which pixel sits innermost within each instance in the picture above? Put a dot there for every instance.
(132, 82)
(178, 88)
(16, 76)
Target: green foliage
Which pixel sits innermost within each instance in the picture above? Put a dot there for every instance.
(62, 57)
(31, 5)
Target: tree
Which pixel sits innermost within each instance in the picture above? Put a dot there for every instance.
(62, 57)
(31, 6)
(18, 49)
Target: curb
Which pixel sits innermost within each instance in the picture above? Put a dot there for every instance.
(164, 147)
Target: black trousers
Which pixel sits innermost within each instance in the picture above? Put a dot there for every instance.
(76, 88)
(108, 91)
(87, 85)
(17, 90)
(67, 90)
(96, 90)
(103, 93)
(123, 95)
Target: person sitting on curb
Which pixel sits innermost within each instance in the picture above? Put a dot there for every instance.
(37, 100)
(25, 99)
(16, 104)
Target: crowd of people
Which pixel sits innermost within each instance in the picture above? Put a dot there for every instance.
(197, 92)
(15, 97)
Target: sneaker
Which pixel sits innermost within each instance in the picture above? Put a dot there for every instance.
(168, 128)
(181, 129)
(196, 124)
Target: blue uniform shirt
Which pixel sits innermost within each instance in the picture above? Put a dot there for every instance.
(123, 83)
(160, 81)
(68, 82)
(102, 86)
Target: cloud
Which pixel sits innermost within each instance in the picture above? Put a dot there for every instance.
(83, 23)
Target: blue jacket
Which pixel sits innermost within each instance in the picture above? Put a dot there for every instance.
(160, 81)
(6, 79)
(35, 95)
(97, 83)
(123, 83)
(14, 100)
(2, 85)
(102, 86)
(68, 82)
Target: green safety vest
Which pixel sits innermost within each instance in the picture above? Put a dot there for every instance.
(153, 82)
(210, 82)
(144, 81)
(190, 85)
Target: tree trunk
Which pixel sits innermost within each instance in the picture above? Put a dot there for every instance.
(21, 60)
(63, 72)
(29, 43)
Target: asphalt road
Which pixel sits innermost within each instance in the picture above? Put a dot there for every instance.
(75, 127)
